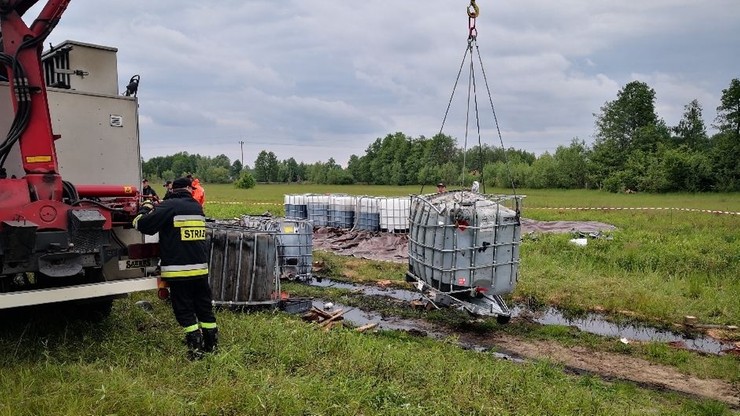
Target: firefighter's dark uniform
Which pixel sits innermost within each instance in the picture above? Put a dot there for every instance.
(180, 222)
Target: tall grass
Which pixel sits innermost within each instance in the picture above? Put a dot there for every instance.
(134, 364)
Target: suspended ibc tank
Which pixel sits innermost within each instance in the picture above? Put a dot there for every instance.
(464, 247)
(367, 214)
(294, 243)
(295, 207)
(242, 266)
(394, 214)
(342, 211)
(317, 209)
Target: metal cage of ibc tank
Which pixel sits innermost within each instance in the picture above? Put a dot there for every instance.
(242, 266)
(394, 214)
(317, 209)
(294, 243)
(341, 213)
(367, 215)
(296, 206)
(464, 249)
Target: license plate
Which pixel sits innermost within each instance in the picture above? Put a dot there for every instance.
(136, 264)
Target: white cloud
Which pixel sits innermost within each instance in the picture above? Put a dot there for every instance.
(316, 79)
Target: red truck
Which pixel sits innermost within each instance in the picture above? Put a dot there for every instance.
(70, 166)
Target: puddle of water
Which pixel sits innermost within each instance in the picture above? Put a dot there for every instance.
(394, 293)
(359, 317)
(591, 323)
(595, 324)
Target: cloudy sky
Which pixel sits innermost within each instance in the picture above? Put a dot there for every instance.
(314, 79)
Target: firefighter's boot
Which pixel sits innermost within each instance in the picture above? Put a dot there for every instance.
(194, 341)
(210, 340)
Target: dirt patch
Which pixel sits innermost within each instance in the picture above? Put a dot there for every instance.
(617, 366)
(376, 245)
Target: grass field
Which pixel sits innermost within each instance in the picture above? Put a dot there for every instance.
(274, 364)
(659, 266)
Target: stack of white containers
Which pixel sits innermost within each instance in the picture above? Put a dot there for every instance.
(394, 214)
(317, 209)
(341, 212)
(368, 214)
(295, 207)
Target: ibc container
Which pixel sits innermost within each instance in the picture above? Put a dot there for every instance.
(295, 207)
(462, 239)
(317, 208)
(294, 243)
(242, 266)
(394, 214)
(368, 214)
(341, 212)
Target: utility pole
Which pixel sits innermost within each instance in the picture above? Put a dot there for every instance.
(241, 143)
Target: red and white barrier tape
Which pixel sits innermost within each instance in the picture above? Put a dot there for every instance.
(708, 211)
(243, 203)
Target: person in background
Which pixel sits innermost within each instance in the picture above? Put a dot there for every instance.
(199, 194)
(148, 192)
(168, 189)
(181, 225)
(475, 187)
(441, 188)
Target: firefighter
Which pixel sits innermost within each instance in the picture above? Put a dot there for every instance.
(199, 194)
(181, 224)
(441, 188)
(167, 189)
(148, 192)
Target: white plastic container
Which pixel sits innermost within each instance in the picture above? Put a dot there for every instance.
(461, 239)
(294, 243)
(341, 212)
(317, 209)
(394, 214)
(295, 207)
(367, 214)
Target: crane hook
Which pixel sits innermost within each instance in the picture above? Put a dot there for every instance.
(473, 10)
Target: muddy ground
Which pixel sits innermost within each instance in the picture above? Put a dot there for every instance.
(580, 360)
(613, 366)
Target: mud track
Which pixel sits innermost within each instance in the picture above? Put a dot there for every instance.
(576, 360)
(611, 366)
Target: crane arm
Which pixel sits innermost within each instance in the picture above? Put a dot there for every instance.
(31, 127)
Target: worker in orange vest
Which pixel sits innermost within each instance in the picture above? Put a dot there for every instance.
(199, 194)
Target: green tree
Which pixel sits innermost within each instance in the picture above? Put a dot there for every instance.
(725, 145)
(544, 172)
(728, 113)
(216, 174)
(235, 169)
(626, 125)
(571, 165)
(690, 131)
(266, 167)
(245, 181)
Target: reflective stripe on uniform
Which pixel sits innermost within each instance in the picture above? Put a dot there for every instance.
(208, 325)
(191, 328)
(189, 221)
(185, 270)
(136, 220)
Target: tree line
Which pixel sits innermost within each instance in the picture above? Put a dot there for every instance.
(633, 150)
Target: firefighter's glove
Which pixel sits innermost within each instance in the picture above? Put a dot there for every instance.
(146, 207)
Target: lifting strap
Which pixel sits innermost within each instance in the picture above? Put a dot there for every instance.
(473, 11)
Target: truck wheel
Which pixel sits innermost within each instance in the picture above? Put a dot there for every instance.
(503, 319)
